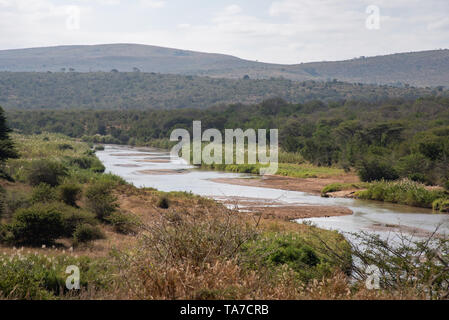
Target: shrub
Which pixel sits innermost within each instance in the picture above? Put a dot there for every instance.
(43, 193)
(85, 233)
(69, 193)
(37, 225)
(40, 277)
(123, 223)
(163, 203)
(402, 192)
(376, 170)
(14, 200)
(446, 185)
(88, 162)
(441, 205)
(99, 148)
(100, 200)
(6, 235)
(65, 146)
(277, 250)
(45, 171)
(73, 217)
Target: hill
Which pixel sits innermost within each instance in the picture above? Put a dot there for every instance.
(135, 90)
(426, 68)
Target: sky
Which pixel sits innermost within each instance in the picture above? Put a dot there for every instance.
(277, 31)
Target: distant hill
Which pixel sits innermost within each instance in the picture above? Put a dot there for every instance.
(137, 90)
(426, 68)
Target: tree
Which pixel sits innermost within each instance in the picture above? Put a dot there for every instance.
(7, 149)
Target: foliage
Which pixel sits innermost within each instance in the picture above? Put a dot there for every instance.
(163, 203)
(100, 199)
(41, 277)
(402, 192)
(376, 170)
(405, 137)
(7, 149)
(43, 193)
(37, 225)
(86, 233)
(46, 171)
(441, 205)
(123, 223)
(277, 250)
(70, 193)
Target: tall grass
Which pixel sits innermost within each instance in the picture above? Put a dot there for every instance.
(402, 192)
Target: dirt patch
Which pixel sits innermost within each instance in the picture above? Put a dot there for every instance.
(127, 165)
(309, 185)
(290, 213)
(155, 161)
(163, 172)
(131, 154)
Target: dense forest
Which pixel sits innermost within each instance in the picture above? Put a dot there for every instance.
(398, 137)
(137, 90)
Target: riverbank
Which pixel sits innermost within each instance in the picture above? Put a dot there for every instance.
(309, 185)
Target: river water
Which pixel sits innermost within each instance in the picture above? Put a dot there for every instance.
(156, 169)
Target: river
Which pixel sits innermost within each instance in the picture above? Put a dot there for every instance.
(156, 169)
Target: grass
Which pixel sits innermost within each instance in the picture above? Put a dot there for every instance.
(285, 169)
(334, 187)
(402, 192)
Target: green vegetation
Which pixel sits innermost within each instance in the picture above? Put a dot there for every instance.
(403, 192)
(35, 276)
(85, 233)
(277, 250)
(334, 187)
(146, 91)
(406, 138)
(100, 200)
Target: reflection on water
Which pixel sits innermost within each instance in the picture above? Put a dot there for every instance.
(176, 175)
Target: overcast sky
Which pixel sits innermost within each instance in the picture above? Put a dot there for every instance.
(282, 31)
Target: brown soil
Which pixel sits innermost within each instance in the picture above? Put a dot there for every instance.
(155, 161)
(290, 213)
(163, 172)
(309, 185)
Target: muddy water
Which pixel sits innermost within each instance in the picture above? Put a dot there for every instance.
(156, 169)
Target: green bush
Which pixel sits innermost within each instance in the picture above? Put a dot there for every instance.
(65, 146)
(100, 200)
(276, 250)
(14, 200)
(43, 193)
(85, 233)
(69, 193)
(73, 217)
(6, 235)
(441, 205)
(41, 277)
(123, 223)
(402, 192)
(446, 185)
(376, 170)
(163, 203)
(46, 171)
(88, 162)
(99, 148)
(37, 225)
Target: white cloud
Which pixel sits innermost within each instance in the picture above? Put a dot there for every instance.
(156, 4)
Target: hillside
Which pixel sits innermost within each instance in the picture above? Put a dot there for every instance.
(426, 68)
(135, 90)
